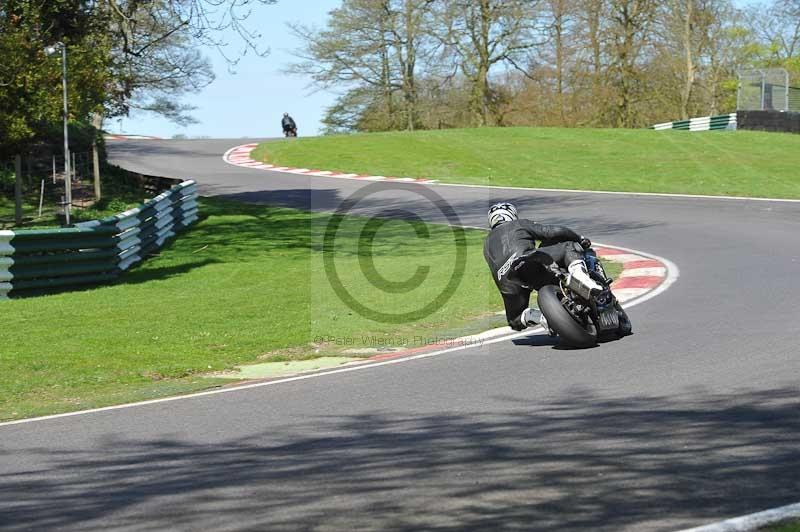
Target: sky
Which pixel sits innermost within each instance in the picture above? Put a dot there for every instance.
(251, 101)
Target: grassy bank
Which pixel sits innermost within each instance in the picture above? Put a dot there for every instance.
(246, 284)
(742, 163)
(107, 206)
(788, 526)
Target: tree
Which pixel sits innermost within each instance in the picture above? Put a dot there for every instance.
(409, 26)
(374, 48)
(733, 46)
(154, 62)
(406, 64)
(155, 57)
(122, 54)
(353, 51)
(590, 35)
(630, 29)
(30, 82)
(776, 26)
(681, 40)
(480, 34)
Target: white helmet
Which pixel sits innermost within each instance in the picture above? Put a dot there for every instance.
(500, 213)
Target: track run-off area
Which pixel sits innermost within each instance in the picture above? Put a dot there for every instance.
(693, 419)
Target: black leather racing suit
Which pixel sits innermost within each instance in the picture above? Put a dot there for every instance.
(288, 123)
(513, 239)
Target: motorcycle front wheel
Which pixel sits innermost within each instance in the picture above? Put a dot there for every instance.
(569, 330)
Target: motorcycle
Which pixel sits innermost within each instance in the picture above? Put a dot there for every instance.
(290, 132)
(577, 317)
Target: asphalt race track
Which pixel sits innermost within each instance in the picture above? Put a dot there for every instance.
(694, 419)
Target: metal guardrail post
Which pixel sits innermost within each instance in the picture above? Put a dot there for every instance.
(18, 190)
(97, 124)
(786, 87)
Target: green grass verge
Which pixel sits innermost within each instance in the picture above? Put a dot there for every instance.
(109, 205)
(789, 526)
(247, 284)
(742, 163)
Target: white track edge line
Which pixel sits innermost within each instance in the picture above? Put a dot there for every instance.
(618, 193)
(750, 522)
(430, 181)
(268, 383)
(673, 272)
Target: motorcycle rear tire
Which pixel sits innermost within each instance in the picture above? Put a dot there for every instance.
(569, 331)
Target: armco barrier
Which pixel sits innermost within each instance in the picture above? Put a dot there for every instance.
(705, 123)
(93, 252)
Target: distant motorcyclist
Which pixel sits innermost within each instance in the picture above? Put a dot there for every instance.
(289, 126)
(511, 238)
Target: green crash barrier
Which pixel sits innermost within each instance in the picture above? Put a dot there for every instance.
(62, 282)
(71, 257)
(55, 244)
(51, 271)
(67, 234)
(34, 262)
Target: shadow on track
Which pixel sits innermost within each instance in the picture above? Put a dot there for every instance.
(577, 463)
(550, 209)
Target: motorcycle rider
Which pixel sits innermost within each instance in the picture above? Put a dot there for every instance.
(288, 123)
(511, 238)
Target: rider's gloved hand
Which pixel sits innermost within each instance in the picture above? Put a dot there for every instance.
(585, 243)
